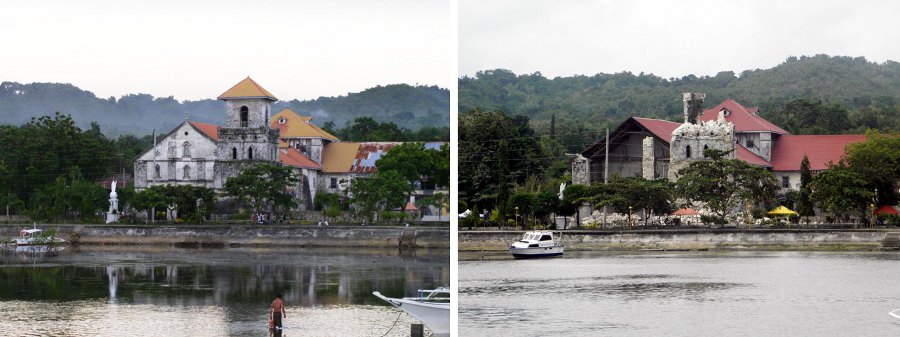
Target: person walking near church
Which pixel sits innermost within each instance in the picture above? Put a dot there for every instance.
(277, 311)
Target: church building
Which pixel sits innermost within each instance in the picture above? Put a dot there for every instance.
(654, 148)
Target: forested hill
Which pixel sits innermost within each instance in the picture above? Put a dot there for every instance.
(408, 106)
(870, 92)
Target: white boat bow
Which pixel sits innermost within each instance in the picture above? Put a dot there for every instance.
(431, 309)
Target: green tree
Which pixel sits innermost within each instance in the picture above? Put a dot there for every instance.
(495, 151)
(384, 190)
(411, 160)
(804, 204)
(840, 190)
(878, 160)
(264, 187)
(722, 184)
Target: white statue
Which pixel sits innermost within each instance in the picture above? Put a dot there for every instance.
(113, 214)
(562, 188)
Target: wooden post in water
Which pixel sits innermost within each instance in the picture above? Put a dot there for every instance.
(417, 330)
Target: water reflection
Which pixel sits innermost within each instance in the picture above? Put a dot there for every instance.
(142, 291)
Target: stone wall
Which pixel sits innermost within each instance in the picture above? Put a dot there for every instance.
(690, 240)
(265, 235)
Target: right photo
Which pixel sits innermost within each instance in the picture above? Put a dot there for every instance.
(647, 168)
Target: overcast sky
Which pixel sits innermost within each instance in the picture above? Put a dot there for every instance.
(198, 49)
(669, 38)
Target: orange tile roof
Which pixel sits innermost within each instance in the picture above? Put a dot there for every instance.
(292, 157)
(296, 126)
(339, 157)
(247, 89)
(210, 130)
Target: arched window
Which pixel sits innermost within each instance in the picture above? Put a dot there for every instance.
(250, 153)
(245, 116)
(687, 151)
(703, 154)
(234, 153)
(156, 171)
(186, 153)
(187, 172)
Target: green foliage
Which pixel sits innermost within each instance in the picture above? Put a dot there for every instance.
(262, 186)
(367, 129)
(416, 163)
(804, 204)
(411, 107)
(841, 189)
(722, 184)
(878, 160)
(867, 90)
(71, 195)
(384, 190)
(183, 196)
(495, 151)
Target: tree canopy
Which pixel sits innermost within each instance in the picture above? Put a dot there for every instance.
(723, 184)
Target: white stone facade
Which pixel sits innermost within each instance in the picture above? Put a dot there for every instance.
(184, 156)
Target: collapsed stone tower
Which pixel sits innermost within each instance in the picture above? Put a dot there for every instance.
(691, 138)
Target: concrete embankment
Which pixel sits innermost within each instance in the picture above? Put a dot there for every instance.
(698, 239)
(238, 235)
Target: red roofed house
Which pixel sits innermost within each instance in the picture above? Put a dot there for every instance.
(655, 148)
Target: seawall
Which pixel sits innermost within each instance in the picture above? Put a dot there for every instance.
(695, 239)
(240, 235)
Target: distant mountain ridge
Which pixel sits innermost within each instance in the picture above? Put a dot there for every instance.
(408, 106)
(870, 91)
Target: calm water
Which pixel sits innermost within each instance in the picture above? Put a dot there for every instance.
(682, 294)
(140, 291)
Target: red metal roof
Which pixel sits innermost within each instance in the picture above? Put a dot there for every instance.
(788, 151)
(210, 130)
(751, 158)
(743, 118)
(658, 127)
(291, 157)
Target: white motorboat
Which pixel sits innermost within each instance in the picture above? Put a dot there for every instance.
(29, 237)
(537, 244)
(432, 307)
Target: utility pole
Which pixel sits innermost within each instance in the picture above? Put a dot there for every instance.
(605, 171)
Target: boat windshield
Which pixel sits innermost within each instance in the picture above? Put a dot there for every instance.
(546, 238)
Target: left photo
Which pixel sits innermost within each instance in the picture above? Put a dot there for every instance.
(226, 169)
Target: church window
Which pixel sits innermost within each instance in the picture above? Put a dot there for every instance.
(156, 173)
(282, 120)
(785, 182)
(187, 172)
(749, 143)
(703, 154)
(687, 151)
(334, 183)
(250, 153)
(245, 116)
(234, 153)
(201, 172)
(302, 149)
(186, 153)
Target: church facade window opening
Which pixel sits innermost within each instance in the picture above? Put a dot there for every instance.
(186, 150)
(156, 173)
(687, 151)
(187, 172)
(234, 153)
(250, 153)
(245, 116)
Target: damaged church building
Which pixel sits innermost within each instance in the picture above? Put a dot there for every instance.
(655, 148)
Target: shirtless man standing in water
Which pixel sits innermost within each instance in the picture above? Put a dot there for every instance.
(278, 311)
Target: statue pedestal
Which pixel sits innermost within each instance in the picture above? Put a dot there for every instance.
(113, 214)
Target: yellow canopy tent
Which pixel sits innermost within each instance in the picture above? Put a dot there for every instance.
(781, 211)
